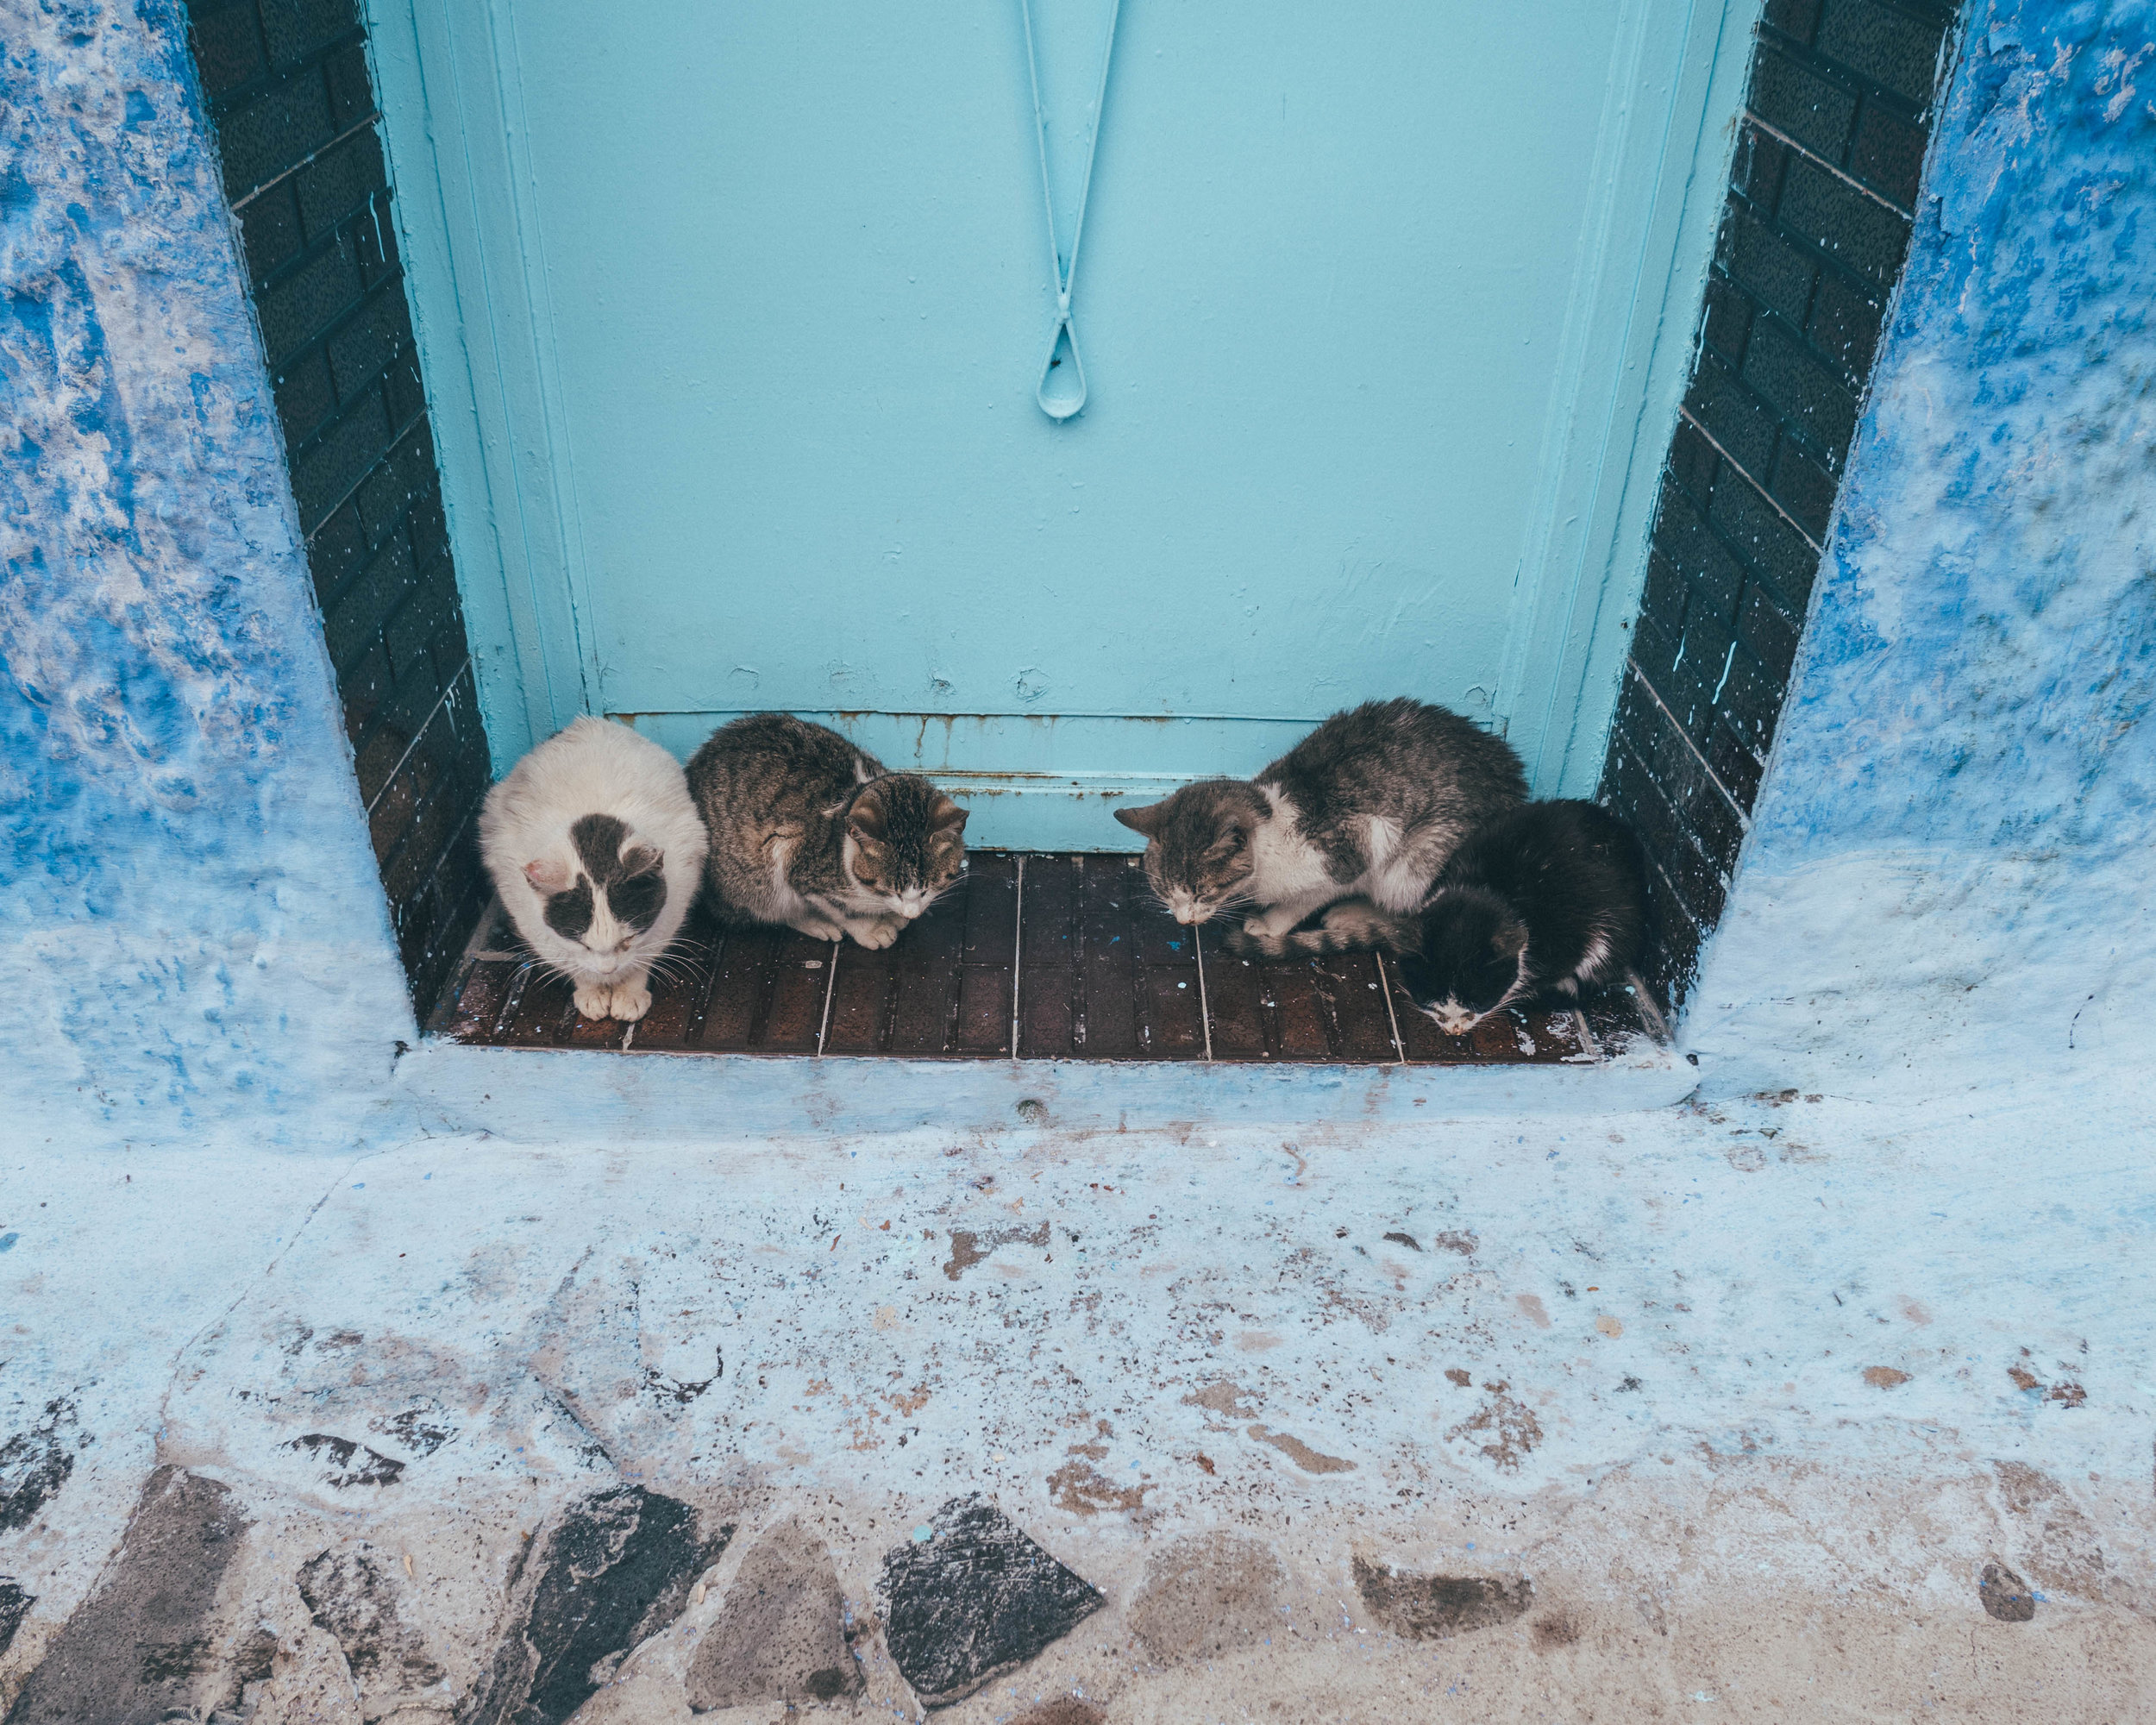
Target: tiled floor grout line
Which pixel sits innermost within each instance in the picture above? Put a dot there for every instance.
(831, 988)
(1391, 1018)
(1205, 1005)
(692, 1033)
(1018, 953)
(418, 737)
(1742, 473)
(507, 1016)
(1819, 161)
(284, 175)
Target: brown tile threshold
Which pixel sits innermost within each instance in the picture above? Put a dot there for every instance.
(1047, 956)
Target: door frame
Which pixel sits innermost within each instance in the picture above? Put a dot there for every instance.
(453, 124)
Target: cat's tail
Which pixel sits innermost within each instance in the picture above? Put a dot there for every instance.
(1350, 925)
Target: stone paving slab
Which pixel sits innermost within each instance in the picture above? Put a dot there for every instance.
(782, 1632)
(968, 1595)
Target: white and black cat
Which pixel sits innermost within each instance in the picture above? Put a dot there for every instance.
(808, 832)
(1369, 805)
(595, 848)
(1550, 898)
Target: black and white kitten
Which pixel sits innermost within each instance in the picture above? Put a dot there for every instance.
(595, 849)
(1370, 804)
(1549, 897)
(808, 832)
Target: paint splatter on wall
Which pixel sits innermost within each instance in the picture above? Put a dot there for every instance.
(191, 926)
(1947, 881)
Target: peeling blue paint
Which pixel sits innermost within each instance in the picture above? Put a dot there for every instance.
(1947, 880)
(192, 928)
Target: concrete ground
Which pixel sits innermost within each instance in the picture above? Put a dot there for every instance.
(1790, 1409)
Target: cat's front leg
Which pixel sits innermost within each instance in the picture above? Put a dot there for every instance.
(594, 999)
(875, 933)
(632, 996)
(818, 927)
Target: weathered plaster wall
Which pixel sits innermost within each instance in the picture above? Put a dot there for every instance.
(1947, 881)
(192, 927)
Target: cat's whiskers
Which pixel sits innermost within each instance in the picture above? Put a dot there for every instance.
(934, 898)
(672, 968)
(1234, 901)
(551, 971)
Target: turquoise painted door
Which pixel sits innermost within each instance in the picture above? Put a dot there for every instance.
(1382, 308)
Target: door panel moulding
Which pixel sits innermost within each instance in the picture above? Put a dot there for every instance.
(1661, 166)
(453, 131)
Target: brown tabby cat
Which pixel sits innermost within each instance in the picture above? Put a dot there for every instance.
(808, 832)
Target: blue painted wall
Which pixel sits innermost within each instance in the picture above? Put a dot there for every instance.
(1948, 881)
(191, 925)
(1384, 314)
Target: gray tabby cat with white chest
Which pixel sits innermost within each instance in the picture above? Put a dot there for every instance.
(1368, 806)
(808, 832)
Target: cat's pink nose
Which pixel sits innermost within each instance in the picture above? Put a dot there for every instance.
(1186, 917)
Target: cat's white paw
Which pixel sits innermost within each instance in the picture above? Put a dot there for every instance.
(1268, 925)
(594, 1001)
(876, 933)
(631, 1002)
(816, 929)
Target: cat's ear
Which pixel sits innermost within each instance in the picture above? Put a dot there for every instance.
(946, 815)
(549, 875)
(1146, 819)
(870, 831)
(867, 819)
(1511, 938)
(639, 860)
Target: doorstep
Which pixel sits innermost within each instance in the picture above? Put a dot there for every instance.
(1047, 988)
